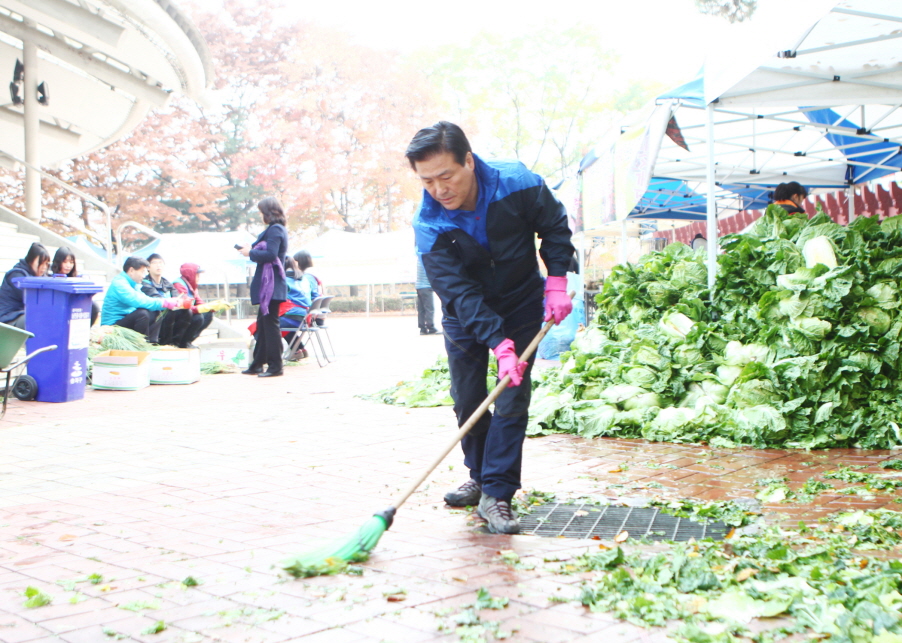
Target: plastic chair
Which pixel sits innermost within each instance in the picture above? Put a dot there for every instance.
(305, 330)
(319, 309)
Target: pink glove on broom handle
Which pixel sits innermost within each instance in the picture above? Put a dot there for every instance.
(557, 302)
(170, 304)
(509, 363)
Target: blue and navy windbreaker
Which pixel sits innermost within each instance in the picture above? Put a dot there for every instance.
(483, 275)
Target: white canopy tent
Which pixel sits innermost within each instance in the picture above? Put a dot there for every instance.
(213, 251)
(358, 259)
(820, 106)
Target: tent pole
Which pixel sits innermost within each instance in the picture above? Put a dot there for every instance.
(851, 203)
(712, 206)
(623, 239)
(582, 272)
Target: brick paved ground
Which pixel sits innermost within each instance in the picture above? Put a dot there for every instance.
(224, 479)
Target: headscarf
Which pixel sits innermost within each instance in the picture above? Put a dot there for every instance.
(268, 279)
(189, 275)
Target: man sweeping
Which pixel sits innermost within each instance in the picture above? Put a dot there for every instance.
(475, 231)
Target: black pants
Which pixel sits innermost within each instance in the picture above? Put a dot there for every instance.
(181, 327)
(138, 320)
(493, 449)
(425, 310)
(268, 350)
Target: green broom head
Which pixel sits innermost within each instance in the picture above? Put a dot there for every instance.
(334, 557)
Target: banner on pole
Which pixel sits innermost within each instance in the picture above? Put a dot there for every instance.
(614, 183)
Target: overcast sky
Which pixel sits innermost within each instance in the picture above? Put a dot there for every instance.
(659, 40)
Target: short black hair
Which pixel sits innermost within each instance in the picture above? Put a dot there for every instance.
(155, 256)
(272, 211)
(438, 139)
(304, 259)
(37, 251)
(786, 190)
(135, 263)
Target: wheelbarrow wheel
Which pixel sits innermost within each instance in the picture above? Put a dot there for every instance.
(26, 388)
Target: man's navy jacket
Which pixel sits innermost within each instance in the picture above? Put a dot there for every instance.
(483, 277)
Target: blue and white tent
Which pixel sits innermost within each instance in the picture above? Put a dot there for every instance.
(815, 98)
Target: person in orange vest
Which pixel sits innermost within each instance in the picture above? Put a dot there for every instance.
(790, 197)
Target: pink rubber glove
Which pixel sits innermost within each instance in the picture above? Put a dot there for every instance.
(170, 304)
(509, 363)
(557, 302)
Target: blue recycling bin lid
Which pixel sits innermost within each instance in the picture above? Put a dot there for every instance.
(71, 285)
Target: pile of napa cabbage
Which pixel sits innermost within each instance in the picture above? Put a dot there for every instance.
(799, 348)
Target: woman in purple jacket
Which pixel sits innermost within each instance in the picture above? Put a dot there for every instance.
(268, 288)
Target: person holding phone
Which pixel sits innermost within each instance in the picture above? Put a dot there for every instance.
(268, 288)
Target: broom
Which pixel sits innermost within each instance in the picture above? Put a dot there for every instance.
(332, 558)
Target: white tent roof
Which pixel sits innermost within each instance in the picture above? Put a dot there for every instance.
(213, 251)
(106, 63)
(357, 259)
(770, 125)
(845, 53)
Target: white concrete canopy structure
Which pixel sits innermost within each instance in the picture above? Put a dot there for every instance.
(103, 65)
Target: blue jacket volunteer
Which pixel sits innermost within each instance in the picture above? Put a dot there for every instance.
(126, 305)
(475, 231)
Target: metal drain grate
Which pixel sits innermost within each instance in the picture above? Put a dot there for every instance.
(605, 522)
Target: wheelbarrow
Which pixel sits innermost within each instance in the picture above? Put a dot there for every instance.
(24, 387)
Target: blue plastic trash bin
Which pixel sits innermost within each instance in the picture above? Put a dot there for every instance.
(58, 311)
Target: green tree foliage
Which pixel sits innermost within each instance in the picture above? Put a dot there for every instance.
(539, 97)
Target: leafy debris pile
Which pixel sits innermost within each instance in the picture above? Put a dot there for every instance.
(115, 338)
(817, 577)
(433, 388)
(470, 627)
(800, 347)
(820, 579)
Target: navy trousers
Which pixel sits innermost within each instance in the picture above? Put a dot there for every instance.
(493, 449)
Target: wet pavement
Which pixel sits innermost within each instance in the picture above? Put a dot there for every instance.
(110, 503)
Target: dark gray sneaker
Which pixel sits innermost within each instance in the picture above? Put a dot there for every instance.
(467, 494)
(499, 515)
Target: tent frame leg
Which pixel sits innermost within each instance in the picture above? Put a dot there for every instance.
(712, 205)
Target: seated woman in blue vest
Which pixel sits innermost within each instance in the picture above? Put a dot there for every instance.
(299, 294)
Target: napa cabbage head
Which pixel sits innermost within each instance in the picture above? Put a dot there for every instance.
(619, 393)
(739, 354)
(819, 250)
(646, 400)
(670, 422)
(726, 375)
(687, 355)
(760, 423)
(877, 319)
(688, 273)
(641, 376)
(713, 390)
(676, 325)
(649, 356)
(591, 341)
(812, 327)
(753, 393)
(885, 294)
